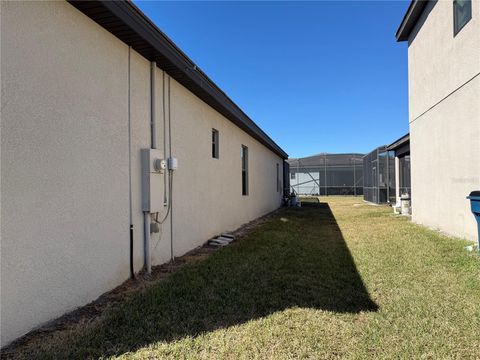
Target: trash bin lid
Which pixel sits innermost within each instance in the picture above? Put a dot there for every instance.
(475, 193)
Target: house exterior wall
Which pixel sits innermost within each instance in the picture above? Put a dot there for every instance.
(444, 93)
(65, 164)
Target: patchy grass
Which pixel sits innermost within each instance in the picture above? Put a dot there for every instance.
(325, 281)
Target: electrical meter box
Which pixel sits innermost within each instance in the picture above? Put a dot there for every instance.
(153, 180)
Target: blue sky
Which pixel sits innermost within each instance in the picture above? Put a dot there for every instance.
(316, 76)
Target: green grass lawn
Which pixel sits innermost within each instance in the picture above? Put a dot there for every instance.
(339, 279)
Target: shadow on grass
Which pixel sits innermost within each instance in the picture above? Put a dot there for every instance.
(297, 259)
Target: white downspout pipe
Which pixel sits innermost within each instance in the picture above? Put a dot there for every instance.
(153, 105)
(146, 223)
(146, 215)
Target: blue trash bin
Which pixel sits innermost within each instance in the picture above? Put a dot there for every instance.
(474, 198)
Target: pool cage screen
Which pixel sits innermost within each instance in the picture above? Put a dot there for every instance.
(327, 174)
(404, 167)
(286, 178)
(379, 176)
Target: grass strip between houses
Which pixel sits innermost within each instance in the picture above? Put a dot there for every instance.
(330, 280)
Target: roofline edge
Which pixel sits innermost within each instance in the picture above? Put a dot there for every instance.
(198, 82)
(414, 11)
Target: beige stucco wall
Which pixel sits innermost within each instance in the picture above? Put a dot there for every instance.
(438, 62)
(444, 130)
(214, 185)
(64, 164)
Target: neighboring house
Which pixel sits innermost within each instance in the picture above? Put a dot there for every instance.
(327, 174)
(444, 110)
(401, 149)
(81, 97)
(379, 176)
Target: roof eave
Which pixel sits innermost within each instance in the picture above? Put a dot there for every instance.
(399, 142)
(414, 11)
(125, 21)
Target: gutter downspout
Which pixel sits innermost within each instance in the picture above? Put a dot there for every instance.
(153, 125)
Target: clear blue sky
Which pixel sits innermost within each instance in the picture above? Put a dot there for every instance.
(316, 76)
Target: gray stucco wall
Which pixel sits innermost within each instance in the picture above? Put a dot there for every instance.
(64, 164)
(444, 129)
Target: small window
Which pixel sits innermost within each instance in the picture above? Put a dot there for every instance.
(215, 144)
(462, 13)
(244, 155)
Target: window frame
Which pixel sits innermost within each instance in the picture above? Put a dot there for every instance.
(457, 29)
(215, 144)
(244, 160)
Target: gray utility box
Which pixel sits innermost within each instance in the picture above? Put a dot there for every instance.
(153, 180)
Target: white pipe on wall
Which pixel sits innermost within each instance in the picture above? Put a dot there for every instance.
(153, 125)
(165, 201)
(153, 104)
(130, 206)
(170, 189)
(146, 223)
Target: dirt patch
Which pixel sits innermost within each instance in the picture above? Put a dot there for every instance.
(96, 308)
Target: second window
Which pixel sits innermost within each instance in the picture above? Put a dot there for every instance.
(244, 155)
(215, 144)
